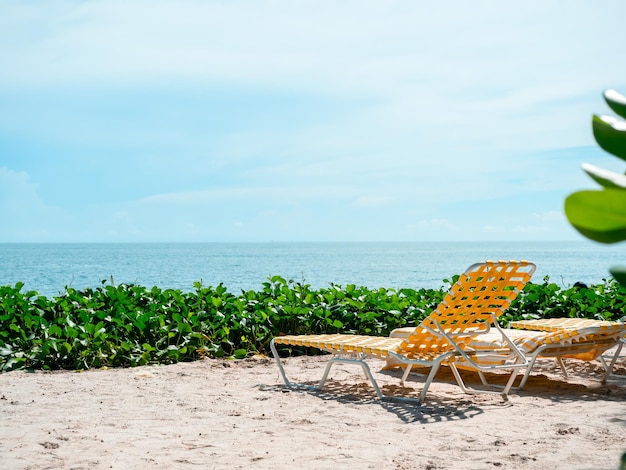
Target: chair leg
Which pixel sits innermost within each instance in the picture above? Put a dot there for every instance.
(433, 371)
(364, 366)
(368, 372)
(609, 367)
(280, 365)
(483, 379)
(561, 363)
(326, 372)
(510, 383)
(458, 378)
(529, 368)
(407, 371)
(461, 382)
(329, 365)
(505, 390)
(434, 367)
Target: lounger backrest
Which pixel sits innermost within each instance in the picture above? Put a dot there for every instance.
(484, 290)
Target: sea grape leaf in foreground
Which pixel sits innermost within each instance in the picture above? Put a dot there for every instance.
(619, 274)
(606, 178)
(616, 101)
(610, 133)
(598, 215)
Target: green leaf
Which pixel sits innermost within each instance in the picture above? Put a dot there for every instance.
(619, 273)
(610, 133)
(10, 363)
(71, 332)
(616, 101)
(606, 178)
(598, 215)
(278, 280)
(240, 353)
(55, 330)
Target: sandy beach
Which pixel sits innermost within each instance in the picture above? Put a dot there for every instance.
(238, 414)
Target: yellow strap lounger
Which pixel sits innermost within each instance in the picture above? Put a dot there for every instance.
(480, 295)
(587, 339)
(557, 338)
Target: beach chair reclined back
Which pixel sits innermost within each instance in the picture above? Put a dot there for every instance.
(482, 293)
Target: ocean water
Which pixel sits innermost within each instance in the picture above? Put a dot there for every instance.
(48, 268)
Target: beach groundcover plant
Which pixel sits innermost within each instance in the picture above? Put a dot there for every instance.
(131, 325)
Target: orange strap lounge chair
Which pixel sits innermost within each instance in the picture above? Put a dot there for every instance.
(583, 339)
(555, 338)
(473, 303)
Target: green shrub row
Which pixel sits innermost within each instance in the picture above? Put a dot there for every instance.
(130, 325)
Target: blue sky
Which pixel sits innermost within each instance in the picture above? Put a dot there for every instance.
(300, 121)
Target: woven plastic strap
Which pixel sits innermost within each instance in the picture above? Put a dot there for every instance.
(556, 324)
(484, 290)
(604, 333)
(379, 346)
(338, 343)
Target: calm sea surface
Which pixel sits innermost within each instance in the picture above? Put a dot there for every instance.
(48, 268)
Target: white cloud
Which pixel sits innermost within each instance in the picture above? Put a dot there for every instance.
(550, 216)
(348, 46)
(24, 216)
(284, 193)
(17, 191)
(436, 224)
(372, 201)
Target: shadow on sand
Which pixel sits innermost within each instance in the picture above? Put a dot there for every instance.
(437, 407)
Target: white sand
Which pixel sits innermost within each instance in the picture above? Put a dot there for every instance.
(238, 414)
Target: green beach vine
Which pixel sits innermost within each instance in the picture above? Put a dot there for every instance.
(131, 325)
